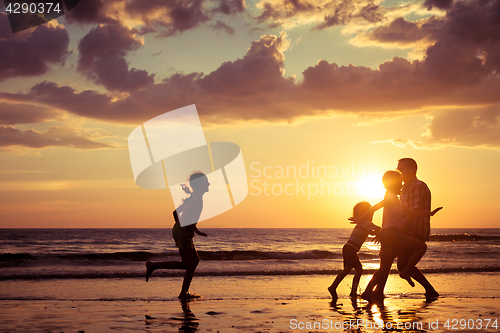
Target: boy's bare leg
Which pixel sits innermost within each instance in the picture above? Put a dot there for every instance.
(151, 266)
(380, 275)
(378, 292)
(333, 288)
(191, 258)
(355, 281)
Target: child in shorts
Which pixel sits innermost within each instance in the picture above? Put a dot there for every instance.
(352, 247)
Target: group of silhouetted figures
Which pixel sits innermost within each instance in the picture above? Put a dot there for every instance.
(405, 229)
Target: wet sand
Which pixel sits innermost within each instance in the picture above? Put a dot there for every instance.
(245, 304)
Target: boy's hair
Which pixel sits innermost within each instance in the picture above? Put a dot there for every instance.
(391, 177)
(360, 208)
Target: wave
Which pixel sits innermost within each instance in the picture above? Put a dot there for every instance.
(121, 275)
(204, 255)
(461, 238)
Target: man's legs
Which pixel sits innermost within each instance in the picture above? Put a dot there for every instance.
(416, 274)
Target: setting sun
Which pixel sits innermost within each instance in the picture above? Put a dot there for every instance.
(371, 187)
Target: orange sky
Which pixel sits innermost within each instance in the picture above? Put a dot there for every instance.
(343, 90)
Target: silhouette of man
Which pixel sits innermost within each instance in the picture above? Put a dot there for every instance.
(415, 195)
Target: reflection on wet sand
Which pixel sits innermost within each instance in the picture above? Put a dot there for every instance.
(186, 321)
(389, 314)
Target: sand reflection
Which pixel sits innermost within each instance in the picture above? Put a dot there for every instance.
(404, 315)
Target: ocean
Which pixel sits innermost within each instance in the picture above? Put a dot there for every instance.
(121, 253)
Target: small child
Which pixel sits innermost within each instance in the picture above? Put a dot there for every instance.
(352, 247)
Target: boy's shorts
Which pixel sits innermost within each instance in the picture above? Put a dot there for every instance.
(350, 256)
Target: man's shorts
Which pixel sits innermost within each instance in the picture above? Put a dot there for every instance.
(350, 256)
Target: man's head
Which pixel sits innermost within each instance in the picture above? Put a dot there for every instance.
(408, 168)
(393, 182)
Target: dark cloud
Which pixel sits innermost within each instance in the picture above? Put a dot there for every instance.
(102, 58)
(229, 7)
(260, 71)
(458, 69)
(221, 26)
(331, 13)
(164, 17)
(168, 17)
(93, 11)
(404, 33)
(441, 4)
(29, 53)
(53, 137)
(346, 12)
(285, 9)
(14, 113)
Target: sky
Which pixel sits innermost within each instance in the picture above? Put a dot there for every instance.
(336, 90)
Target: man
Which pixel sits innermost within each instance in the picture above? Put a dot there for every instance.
(415, 195)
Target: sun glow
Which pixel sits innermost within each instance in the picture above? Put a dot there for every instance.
(371, 187)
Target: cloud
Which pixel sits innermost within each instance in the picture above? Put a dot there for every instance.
(459, 69)
(168, 16)
(322, 13)
(401, 33)
(14, 113)
(236, 90)
(93, 11)
(164, 17)
(221, 26)
(53, 137)
(31, 52)
(415, 144)
(441, 4)
(102, 58)
(467, 128)
(229, 7)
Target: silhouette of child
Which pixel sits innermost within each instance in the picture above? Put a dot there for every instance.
(352, 247)
(189, 211)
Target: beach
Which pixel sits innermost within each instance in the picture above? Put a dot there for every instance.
(250, 280)
(246, 304)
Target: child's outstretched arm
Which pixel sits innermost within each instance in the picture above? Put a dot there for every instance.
(199, 232)
(195, 229)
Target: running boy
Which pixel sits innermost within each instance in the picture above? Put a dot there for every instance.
(352, 247)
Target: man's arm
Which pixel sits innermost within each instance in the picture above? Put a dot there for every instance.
(419, 213)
